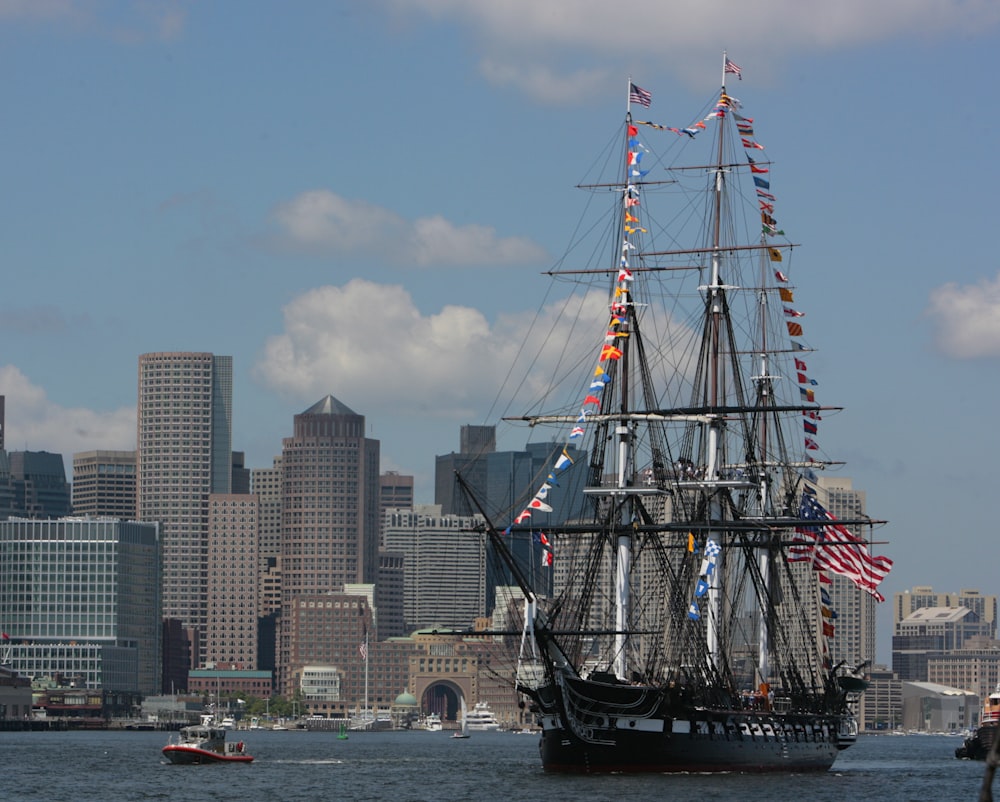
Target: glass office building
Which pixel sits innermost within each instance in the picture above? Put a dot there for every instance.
(80, 599)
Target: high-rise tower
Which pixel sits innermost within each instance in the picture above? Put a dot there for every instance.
(184, 453)
(329, 507)
(231, 637)
(104, 484)
(330, 501)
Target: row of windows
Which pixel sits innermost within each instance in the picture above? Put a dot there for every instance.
(55, 592)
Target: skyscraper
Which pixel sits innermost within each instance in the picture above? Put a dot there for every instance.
(330, 501)
(231, 634)
(475, 443)
(184, 453)
(266, 484)
(395, 493)
(104, 484)
(38, 481)
(329, 511)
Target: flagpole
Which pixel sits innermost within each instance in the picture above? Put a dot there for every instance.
(725, 58)
(628, 97)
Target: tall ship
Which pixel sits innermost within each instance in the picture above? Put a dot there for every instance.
(675, 617)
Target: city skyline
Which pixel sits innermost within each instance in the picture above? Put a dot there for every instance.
(399, 177)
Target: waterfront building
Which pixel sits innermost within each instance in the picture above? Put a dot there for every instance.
(929, 707)
(327, 632)
(15, 691)
(104, 484)
(446, 667)
(218, 684)
(974, 667)
(81, 599)
(184, 454)
(883, 708)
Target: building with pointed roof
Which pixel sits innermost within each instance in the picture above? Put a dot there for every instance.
(330, 509)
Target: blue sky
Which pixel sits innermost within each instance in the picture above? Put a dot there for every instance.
(360, 199)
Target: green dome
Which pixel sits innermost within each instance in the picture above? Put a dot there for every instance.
(406, 699)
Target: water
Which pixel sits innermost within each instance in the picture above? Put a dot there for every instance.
(416, 766)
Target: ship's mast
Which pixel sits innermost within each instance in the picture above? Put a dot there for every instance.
(623, 434)
(713, 454)
(765, 397)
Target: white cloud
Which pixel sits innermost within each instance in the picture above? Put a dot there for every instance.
(323, 222)
(34, 423)
(368, 343)
(436, 241)
(416, 377)
(967, 319)
(527, 41)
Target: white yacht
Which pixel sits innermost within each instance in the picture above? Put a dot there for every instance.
(481, 719)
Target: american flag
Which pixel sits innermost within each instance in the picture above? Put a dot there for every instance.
(637, 94)
(363, 648)
(733, 68)
(832, 547)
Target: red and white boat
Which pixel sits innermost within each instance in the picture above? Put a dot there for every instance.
(205, 743)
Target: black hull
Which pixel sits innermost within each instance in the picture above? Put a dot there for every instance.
(600, 728)
(643, 752)
(977, 747)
